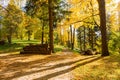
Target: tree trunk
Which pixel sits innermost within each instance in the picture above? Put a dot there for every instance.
(50, 26)
(60, 37)
(73, 39)
(0, 33)
(42, 41)
(9, 39)
(92, 38)
(89, 36)
(80, 40)
(71, 42)
(68, 44)
(102, 12)
(21, 37)
(29, 36)
(9, 36)
(84, 46)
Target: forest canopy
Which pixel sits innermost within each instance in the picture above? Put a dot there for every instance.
(77, 24)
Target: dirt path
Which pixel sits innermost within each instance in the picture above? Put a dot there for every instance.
(41, 67)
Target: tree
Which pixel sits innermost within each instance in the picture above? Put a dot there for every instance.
(79, 36)
(51, 25)
(102, 12)
(40, 9)
(11, 20)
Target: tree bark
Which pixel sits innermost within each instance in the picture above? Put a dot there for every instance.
(73, 39)
(71, 42)
(80, 40)
(0, 33)
(21, 37)
(29, 35)
(102, 12)
(50, 26)
(9, 39)
(84, 46)
(42, 40)
(9, 36)
(89, 36)
(68, 44)
(92, 39)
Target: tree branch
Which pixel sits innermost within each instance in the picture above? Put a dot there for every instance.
(84, 19)
(4, 8)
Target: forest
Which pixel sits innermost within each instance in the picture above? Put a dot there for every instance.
(59, 39)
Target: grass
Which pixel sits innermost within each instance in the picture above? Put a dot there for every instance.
(16, 45)
(106, 68)
(76, 51)
(58, 48)
(10, 47)
(26, 41)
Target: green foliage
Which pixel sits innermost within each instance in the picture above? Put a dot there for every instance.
(13, 16)
(37, 34)
(114, 42)
(40, 10)
(60, 11)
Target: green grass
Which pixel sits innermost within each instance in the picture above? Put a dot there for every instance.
(16, 45)
(76, 51)
(26, 41)
(58, 48)
(10, 47)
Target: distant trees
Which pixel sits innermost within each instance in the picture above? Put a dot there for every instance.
(11, 20)
(86, 37)
(41, 17)
(15, 23)
(56, 12)
(72, 37)
(40, 10)
(88, 13)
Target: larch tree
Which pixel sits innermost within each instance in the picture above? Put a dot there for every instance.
(51, 26)
(102, 12)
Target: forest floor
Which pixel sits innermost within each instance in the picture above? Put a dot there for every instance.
(62, 66)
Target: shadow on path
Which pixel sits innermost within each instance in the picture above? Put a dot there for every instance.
(21, 69)
(46, 77)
